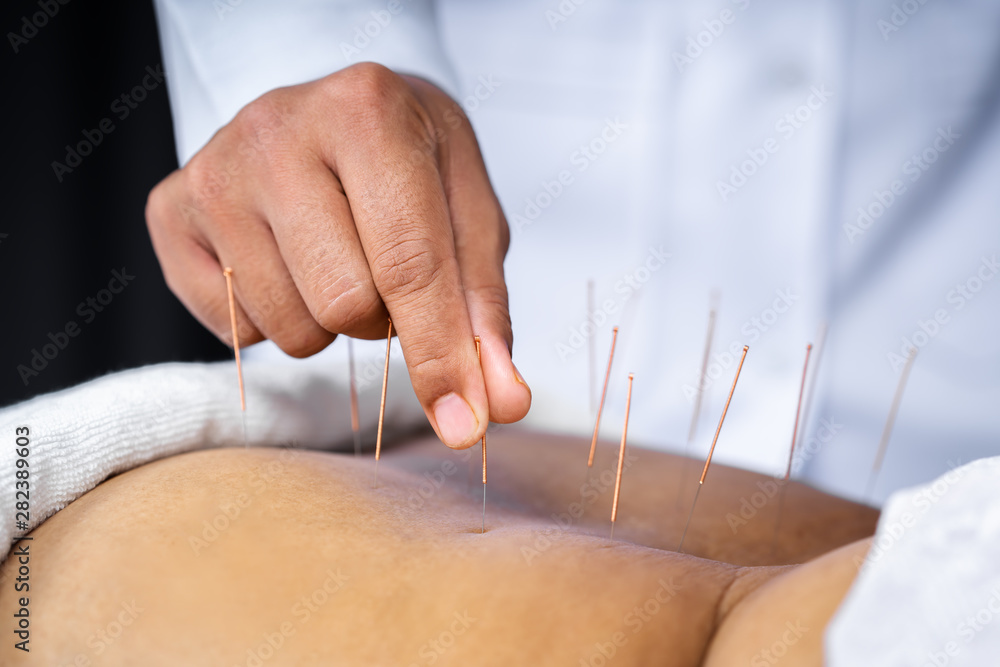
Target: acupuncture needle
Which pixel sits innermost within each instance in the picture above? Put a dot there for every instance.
(887, 431)
(591, 353)
(479, 355)
(604, 393)
(355, 421)
(817, 361)
(791, 451)
(711, 451)
(228, 273)
(381, 406)
(621, 457)
(696, 412)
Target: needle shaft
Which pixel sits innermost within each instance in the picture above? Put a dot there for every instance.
(355, 419)
(228, 273)
(381, 406)
(479, 355)
(592, 353)
(708, 461)
(696, 412)
(604, 393)
(791, 451)
(621, 457)
(889, 422)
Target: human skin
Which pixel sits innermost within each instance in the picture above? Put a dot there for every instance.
(308, 564)
(341, 202)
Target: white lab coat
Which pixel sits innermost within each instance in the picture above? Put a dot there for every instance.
(816, 162)
(739, 138)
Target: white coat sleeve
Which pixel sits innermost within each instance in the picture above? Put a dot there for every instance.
(220, 55)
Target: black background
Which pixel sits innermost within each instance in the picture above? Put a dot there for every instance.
(65, 238)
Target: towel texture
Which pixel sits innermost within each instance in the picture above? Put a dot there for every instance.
(82, 435)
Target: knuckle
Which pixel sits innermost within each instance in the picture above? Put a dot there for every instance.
(262, 118)
(427, 363)
(300, 339)
(503, 229)
(156, 206)
(492, 297)
(492, 301)
(370, 85)
(164, 204)
(375, 101)
(406, 266)
(200, 178)
(352, 309)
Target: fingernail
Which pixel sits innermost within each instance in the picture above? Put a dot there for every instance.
(517, 376)
(456, 421)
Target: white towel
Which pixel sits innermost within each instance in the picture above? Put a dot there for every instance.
(929, 591)
(82, 435)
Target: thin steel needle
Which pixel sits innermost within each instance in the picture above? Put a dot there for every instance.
(355, 420)
(479, 354)
(711, 451)
(228, 273)
(604, 393)
(817, 361)
(592, 352)
(621, 457)
(791, 452)
(697, 405)
(887, 431)
(381, 407)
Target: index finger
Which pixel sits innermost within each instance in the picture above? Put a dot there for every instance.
(401, 212)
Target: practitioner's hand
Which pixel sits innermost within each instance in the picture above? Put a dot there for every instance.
(338, 203)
